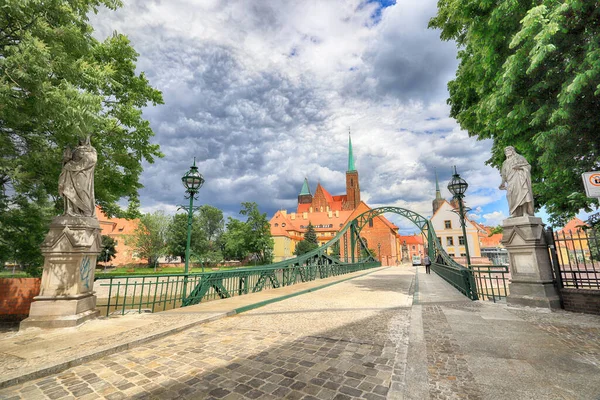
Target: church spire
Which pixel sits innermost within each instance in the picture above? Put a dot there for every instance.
(438, 201)
(438, 194)
(305, 188)
(351, 166)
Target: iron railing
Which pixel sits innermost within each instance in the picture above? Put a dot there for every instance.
(161, 292)
(576, 258)
(458, 276)
(491, 281)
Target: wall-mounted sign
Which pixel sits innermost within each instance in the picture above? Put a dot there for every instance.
(591, 181)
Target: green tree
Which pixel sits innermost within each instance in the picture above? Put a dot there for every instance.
(57, 83)
(309, 243)
(23, 227)
(109, 249)
(252, 237)
(211, 222)
(149, 240)
(177, 236)
(234, 245)
(496, 229)
(529, 76)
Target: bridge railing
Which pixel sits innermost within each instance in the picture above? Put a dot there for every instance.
(492, 281)
(120, 295)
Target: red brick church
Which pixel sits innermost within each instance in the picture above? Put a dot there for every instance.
(329, 214)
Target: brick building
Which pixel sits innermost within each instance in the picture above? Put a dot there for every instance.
(329, 214)
(118, 229)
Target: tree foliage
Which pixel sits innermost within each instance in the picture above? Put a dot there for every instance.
(309, 243)
(177, 236)
(149, 240)
(252, 237)
(529, 76)
(109, 249)
(58, 83)
(23, 227)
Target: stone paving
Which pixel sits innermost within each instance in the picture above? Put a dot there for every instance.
(391, 334)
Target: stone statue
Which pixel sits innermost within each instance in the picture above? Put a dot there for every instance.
(404, 251)
(516, 180)
(76, 182)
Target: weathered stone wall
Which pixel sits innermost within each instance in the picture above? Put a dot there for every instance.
(581, 300)
(16, 295)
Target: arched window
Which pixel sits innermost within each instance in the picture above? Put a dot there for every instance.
(276, 225)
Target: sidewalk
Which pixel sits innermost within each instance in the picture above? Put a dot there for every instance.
(35, 353)
(392, 333)
(485, 350)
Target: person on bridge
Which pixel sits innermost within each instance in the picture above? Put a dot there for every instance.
(427, 263)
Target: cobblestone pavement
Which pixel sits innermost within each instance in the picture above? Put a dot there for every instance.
(366, 338)
(326, 345)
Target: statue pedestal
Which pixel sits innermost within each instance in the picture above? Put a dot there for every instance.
(531, 283)
(66, 297)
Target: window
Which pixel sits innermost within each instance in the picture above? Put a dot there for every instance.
(413, 247)
(371, 223)
(461, 240)
(283, 225)
(439, 240)
(463, 254)
(276, 225)
(448, 224)
(449, 241)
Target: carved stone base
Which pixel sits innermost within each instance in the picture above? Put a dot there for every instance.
(66, 294)
(530, 268)
(65, 321)
(533, 294)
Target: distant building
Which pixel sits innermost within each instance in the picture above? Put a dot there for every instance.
(414, 245)
(329, 214)
(446, 224)
(118, 229)
(572, 243)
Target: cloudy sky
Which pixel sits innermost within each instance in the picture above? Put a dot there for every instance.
(263, 93)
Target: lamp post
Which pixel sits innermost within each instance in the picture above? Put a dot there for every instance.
(192, 181)
(458, 186)
(379, 249)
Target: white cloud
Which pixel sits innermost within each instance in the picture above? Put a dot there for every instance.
(494, 218)
(263, 93)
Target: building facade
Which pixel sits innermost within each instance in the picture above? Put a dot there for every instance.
(329, 214)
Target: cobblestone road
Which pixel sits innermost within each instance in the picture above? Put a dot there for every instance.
(341, 342)
(365, 338)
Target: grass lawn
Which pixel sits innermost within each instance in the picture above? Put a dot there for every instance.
(17, 274)
(160, 270)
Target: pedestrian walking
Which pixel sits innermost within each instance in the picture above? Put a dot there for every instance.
(427, 263)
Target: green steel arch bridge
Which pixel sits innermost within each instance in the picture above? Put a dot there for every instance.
(345, 253)
(322, 262)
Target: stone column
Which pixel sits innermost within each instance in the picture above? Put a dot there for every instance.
(66, 297)
(531, 281)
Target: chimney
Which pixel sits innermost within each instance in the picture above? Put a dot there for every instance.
(283, 212)
(293, 215)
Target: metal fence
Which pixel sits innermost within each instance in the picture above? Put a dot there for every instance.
(458, 276)
(161, 292)
(575, 257)
(492, 281)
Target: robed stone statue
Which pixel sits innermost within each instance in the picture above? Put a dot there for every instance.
(516, 180)
(76, 181)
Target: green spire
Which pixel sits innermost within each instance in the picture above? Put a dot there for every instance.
(351, 166)
(438, 194)
(305, 188)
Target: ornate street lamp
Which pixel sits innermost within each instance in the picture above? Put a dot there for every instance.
(192, 181)
(458, 186)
